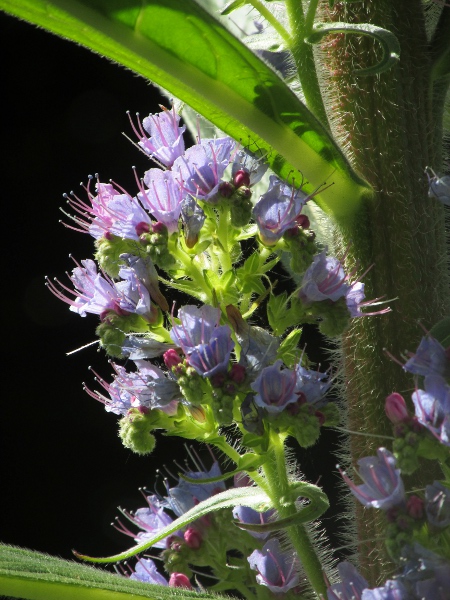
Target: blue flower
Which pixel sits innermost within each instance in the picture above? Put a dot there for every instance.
(351, 586)
(163, 197)
(202, 166)
(430, 358)
(276, 569)
(439, 188)
(193, 218)
(207, 345)
(433, 407)
(437, 506)
(244, 514)
(165, 143)
(277, 210)
(311, 384)
(391, 590)
(325, 279)
(383, 487)
(275, 388)
(146, 571)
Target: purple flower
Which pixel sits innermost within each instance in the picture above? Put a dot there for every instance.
(145, 570)
(149, 388)
(430, 358)
(325, 279)
(392, 590)
(247, 169)
(276, 569)
(150, 520)
(186, 495)
(110, 212)
(134, 294)
(439, 188)
(244, 514)
(207, 345)
(93, 293)
(383, 486)
(352, 584)
(433, 407)
(311, 384)
(201, 167)
(275, 388)
(427, 574)
(277, 210)
(193, 218)
(163, 197)
(437, 505)
(165, 143)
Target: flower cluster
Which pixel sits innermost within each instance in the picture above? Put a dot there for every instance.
(203, 370)
(418, 522)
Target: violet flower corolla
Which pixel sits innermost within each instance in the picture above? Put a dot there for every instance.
(206, 344)
(193, 217)
(163, 197)
(150, 520)
(383, 487)
(439, 187)
(437, 504)
(110, 212)
(98, 294)
(146, 571)
(432, 407)
(247, 169)
(425, 574)
(391, 590)
(275, 388)
(276, 570)
(166, 142)
(245, 514)
(430, 358)
(325, 279)
(351, 586)
(202, 166)
(277, 210)
(148, 388)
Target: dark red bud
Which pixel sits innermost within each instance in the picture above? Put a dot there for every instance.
(226, 189)
(303, 221)
(171, 358)
(193, 538)
(179, 580)
(141, 228)
(415, 507)
(237, 373)
(242, 177)
(108, 235)
(218, 380)
(291, 233)
(395, 407)
(159, 228)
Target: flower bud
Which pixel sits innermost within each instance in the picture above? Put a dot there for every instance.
(415, 507)
(179, 580)
(242, 177)
(395, 408)
(171, 358)
(193, 538)
(237, 373)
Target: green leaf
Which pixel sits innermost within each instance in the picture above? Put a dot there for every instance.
(245, 496)
(182, 48)
(388, 41)
(289, 351)
(318, 505)
(35, 576)
(441, 332)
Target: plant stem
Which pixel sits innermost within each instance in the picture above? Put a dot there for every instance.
(384, 124)
(304, 59)
(276, 474)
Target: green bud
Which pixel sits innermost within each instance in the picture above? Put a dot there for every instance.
(332, 415)
(241, 207)
(135, 432)
(301, 245)
(113, 329)
(109, 250)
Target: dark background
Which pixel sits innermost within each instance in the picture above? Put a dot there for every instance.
(63, 470)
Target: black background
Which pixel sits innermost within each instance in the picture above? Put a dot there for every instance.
(63, 470)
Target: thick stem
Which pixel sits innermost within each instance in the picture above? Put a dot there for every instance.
(384, 124)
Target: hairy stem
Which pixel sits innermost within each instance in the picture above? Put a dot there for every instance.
(384, 124)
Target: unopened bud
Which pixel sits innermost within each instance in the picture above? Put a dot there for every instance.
(242, 177)
(415, 507)
(226, 189)
(193, 538)
(237, 373)
(395, 407)
(303, 221)
(171, 358)
(179, 580)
